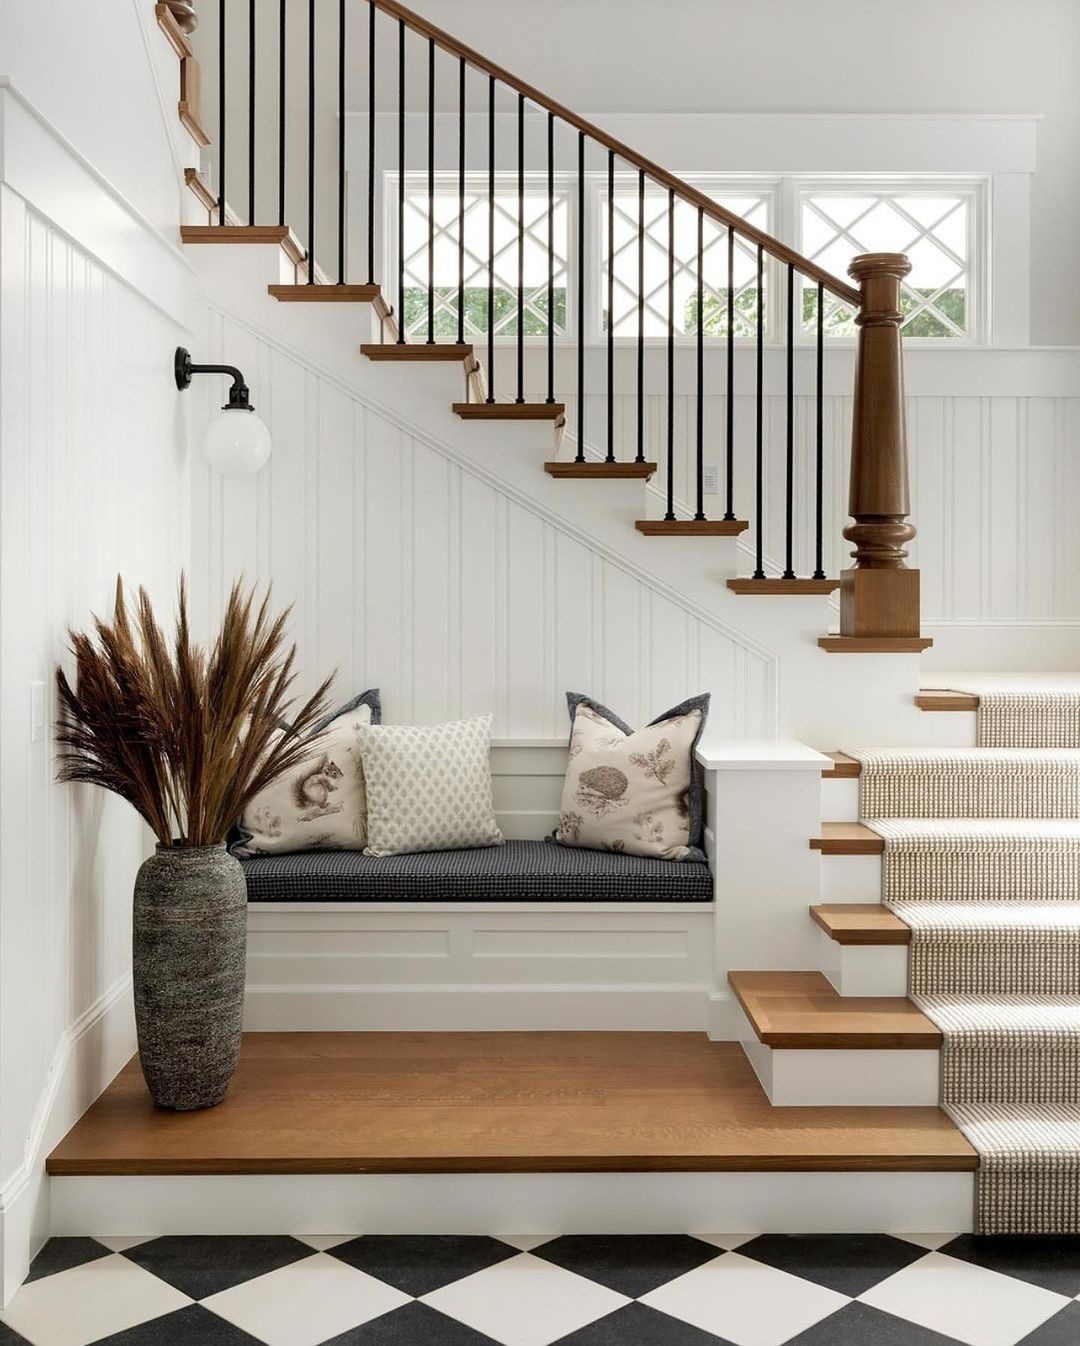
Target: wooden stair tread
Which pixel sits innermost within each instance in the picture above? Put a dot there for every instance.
(234, 233)
(691, 527)
(860, 923)
(875, 644)
(847, 839)
(420, 351)
(325, 294)
(600, 471)
(779, 586)
(943, 700)
(509, 411)
(843, 767)
(802, 1010)
(496, 1102)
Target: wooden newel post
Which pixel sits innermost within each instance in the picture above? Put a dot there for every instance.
(879, 595)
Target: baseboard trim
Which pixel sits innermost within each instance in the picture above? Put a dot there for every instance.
(87, 1058)
(472, 1008)
(493, 1203)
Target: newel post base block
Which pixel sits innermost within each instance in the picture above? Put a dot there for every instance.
(879, 602)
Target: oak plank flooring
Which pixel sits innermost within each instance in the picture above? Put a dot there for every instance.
(803, 1010)
(496, 1102)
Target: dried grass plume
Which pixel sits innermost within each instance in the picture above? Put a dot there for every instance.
(185, 734)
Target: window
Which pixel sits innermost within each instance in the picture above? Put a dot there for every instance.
(476, 258)
(754, 206)
(933, 225)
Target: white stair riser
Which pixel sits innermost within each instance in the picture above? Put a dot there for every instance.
(864, 969)
(839, 801)
(485, 1203)
(851, 878)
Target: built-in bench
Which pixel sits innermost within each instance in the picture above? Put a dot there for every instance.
(519, 871)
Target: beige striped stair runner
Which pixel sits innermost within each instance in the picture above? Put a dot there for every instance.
(982, 862)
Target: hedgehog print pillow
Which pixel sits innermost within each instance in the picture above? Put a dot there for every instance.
(638, 793)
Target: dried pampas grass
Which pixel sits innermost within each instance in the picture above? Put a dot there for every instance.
(186, 735)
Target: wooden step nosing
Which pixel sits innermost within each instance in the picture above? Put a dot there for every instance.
(843, 767)
(875, 644)
(600, 471)
(509, 411)
(860, 935)
(691, 527)
(947, 701)
(855, 839)
(923, 1035)
(782, 588)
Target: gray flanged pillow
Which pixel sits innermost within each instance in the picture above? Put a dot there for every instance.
(638, 792)
(321, 804)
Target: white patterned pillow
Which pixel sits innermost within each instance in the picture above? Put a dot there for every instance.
(637, 793)
(320, 805)
(429, 786)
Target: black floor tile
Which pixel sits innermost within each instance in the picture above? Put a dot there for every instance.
(849, 1263)
(412, 1325)
(1051, 1261)
(638, 1325)
(417, 1264)
(191, 1326)
(9, 1337)
(63, 1254)
(1063, 1329)
(861, 1325)
(631, 1264)
(200, 1266)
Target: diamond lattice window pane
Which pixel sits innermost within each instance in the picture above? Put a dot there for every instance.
(932, 227)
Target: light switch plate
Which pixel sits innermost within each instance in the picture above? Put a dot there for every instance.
(710, 480)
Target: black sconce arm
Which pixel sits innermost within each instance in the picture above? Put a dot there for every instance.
(185, 369)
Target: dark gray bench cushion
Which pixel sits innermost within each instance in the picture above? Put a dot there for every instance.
(520, 871)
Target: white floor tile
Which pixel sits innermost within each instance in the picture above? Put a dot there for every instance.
(931, 1241)
(306, 1302)
(525, 1301)
(120, 1243)
(970, 1303)
(525, 1242)
(748, 1303)
(90, 1301)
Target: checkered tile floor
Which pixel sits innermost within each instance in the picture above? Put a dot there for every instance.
(769, 1290)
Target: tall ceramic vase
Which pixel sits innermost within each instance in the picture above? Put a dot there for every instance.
(188, 952)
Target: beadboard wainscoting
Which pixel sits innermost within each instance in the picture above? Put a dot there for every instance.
(93, 482)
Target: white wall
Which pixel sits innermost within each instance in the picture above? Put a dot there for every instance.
(93, 481)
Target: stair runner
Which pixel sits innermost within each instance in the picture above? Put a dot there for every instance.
(982, 862)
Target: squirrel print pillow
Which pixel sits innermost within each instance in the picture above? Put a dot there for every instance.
(635, 793)
(321, 804)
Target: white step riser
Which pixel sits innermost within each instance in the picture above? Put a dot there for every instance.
(839, 801)
(851, 878)
(511, 1203)
(864, 969)
(798, 1078)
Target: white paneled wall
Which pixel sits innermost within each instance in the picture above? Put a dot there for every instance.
(93, 482)
(410, 572)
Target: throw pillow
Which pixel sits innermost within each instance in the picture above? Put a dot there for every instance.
(429, 786)
(639, 793)
(321, 805)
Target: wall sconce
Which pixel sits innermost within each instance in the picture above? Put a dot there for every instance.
(237, 445)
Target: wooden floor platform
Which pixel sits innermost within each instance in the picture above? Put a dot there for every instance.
(541, 1102)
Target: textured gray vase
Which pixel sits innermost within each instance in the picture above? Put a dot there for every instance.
(188, 950)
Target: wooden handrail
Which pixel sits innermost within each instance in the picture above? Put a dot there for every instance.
(773, 247)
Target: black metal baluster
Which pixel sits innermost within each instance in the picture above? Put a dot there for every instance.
(640, 456)
(819, 440)
(759, 443)
(221, 112)
(670, 514)
(431, 193)
(281, 110)
(251, 111)
(311, 145)
(551, 259)
(789, 467)
(401, 184)
(521, 250)
(729, 512)
(700, 511)
(580, 455)
(611, 306)
(491, 241)
(461, 205)
(371, 149)
(342, 36)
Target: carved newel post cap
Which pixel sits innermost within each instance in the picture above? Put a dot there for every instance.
(869, 265)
